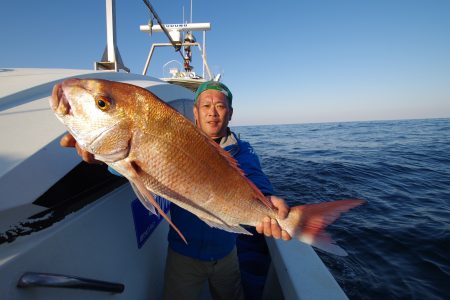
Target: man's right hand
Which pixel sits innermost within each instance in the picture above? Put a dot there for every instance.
(270, 227)
(69, 141)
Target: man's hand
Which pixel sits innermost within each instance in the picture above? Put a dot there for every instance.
(69, 141)
(269, 227)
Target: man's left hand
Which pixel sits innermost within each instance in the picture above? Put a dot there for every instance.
(270, 227)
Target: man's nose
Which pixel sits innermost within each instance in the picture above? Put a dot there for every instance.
(212, 110)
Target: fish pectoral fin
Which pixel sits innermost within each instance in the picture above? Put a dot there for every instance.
(143, 199)
(148, 197)
(229, 228)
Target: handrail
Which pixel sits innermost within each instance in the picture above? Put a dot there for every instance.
(154, 45)
(312, 280)
(33, 279)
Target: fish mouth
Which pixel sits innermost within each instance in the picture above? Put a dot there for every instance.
(59, 102)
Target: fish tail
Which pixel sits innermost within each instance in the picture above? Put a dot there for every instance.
(308, 222)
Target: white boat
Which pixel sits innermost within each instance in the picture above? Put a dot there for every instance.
(69, 230)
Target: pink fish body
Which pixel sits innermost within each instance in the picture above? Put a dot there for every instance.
(160, 151)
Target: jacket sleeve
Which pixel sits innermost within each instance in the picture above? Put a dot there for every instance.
(249, 163)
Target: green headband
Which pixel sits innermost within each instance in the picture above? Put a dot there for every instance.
(214, 85)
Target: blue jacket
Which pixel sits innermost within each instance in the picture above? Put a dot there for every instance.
(205, 242)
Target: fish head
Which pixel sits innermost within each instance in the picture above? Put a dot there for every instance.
(96, 112)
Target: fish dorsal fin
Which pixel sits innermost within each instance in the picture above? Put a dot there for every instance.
(235, 165)
(259, 195)
(230, 159)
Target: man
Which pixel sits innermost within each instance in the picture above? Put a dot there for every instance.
(211, 253)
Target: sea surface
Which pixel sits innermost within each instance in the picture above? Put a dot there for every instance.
(399, 242)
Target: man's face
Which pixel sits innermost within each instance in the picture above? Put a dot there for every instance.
(212, 113)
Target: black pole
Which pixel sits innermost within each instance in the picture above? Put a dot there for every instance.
(174, 44)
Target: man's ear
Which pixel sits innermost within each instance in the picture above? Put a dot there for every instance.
(194, 110)
(231, 114)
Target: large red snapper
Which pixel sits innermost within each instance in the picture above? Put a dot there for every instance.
(159, 150)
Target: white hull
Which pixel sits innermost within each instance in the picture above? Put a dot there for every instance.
(99, 241)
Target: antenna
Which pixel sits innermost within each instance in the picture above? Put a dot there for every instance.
(180, 35)
(111, 59)
(177, 46)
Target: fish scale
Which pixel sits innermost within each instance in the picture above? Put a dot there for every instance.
(167, 172)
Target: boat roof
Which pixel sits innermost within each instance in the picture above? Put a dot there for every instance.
(188, 83)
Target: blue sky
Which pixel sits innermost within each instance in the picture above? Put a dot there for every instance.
(285, 61)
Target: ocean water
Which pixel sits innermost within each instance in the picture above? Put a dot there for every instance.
(399, 242)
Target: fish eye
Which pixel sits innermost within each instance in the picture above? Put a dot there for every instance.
(102, 103)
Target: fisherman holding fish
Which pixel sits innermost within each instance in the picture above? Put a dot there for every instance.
(212, 178)
(210, 254)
